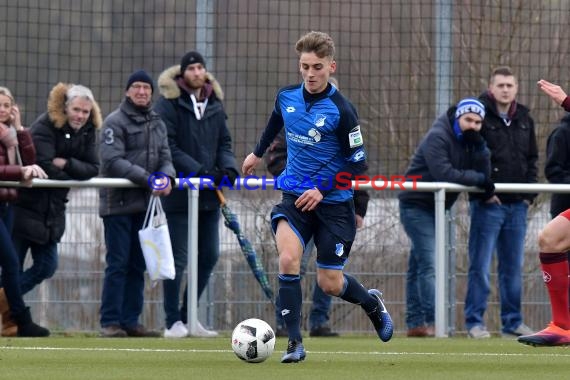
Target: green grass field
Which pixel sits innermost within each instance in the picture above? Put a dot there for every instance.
(350, 358)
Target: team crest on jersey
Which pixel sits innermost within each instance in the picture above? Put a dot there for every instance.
(339, 251)
(290, 109)
(320, 120)
(355, 137)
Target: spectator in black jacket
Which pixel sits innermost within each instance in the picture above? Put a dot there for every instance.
(452, 151)
(64, 138)
(191, 107)
(554, 239)
(557, 168)
(499, 223)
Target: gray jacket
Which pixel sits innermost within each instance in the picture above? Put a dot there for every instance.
(133, 145)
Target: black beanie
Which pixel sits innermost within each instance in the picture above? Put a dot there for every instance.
(140, 76)
(189, 59)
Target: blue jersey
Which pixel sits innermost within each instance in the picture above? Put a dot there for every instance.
(323, 139)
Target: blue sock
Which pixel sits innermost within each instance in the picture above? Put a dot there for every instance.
(291, 299)
(354, 292)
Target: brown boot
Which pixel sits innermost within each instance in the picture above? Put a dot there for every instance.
(9, 327)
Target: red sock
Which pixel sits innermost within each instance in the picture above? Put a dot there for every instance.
(555, 274)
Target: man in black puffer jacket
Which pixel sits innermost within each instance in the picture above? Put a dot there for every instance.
(192, 109)
(499, 223)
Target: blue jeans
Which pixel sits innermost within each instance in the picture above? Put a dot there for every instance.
(123, 285)
(419, 225)
(9, 262)
(321, 301)
(500, 227)
(44, 262)
(208, 254)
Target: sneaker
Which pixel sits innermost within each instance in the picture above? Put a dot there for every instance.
(295, 352)
(113, 331)
(519, 331)
(281, 332)
(380, 317)
(552, 335)
(139, 331)
(203, 332)
(421, 332)
(417, 332)
(478, 332)
(177, 330)
(322, 331)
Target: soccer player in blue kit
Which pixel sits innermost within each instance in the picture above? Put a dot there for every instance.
(323, 139)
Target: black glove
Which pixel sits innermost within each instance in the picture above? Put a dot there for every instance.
(473, 138)
(232, 175)
(219, 176)
(489, 188)
(216, 176)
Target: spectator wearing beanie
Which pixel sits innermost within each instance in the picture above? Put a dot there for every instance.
(123, 209)
(190, 104)
(452, 151)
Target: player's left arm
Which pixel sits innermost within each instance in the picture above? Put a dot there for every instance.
(351, 142)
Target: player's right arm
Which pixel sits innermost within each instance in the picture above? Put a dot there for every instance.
(273, 127)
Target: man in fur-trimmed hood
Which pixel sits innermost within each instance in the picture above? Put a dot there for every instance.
(64, 138)
(191, 107)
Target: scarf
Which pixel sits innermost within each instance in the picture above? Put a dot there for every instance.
(9, 138)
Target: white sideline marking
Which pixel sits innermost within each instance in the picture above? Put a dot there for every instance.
(378, 353)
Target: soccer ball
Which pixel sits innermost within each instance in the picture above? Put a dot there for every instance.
(253, 340)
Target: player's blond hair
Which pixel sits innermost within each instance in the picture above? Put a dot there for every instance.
(316, 42)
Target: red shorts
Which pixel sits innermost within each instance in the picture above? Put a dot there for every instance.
(565, 214)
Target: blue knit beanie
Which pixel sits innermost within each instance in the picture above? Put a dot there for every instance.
(470, 105)
(140, 76)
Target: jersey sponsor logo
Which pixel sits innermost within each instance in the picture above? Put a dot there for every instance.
(290, 109)
(316, 135)
(339, 251)
(320, 120)
(355, 137)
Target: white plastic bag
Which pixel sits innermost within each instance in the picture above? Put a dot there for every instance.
(155, 243)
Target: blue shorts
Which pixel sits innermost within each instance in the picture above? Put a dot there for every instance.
(332, 225)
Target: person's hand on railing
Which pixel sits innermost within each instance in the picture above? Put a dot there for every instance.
(30, 172)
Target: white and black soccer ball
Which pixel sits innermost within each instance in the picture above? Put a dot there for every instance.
(253, 340)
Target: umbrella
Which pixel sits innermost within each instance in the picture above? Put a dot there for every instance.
(231, 221)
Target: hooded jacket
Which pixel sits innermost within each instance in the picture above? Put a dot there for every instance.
(557, 168)
(514, 151)
(198, 146)
(133, 146)
(39, 213)
(442, 157)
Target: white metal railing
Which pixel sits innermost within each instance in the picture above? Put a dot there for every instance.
(438, 188)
